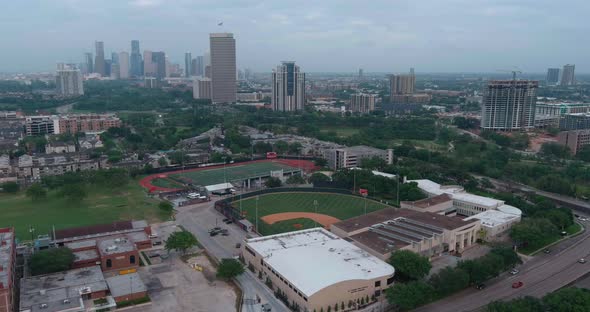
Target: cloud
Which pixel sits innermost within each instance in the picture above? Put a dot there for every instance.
(280, 18)
(146, 3)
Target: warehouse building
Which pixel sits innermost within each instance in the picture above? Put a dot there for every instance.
(387, 230)
(314, 269)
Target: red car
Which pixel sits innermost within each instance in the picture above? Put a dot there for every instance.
(517, 284)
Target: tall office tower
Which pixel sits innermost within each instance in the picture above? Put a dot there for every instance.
(208, 71)
(149, 69)
(68, 81)
(202, 88)
(223, 67)
(136, 69)
(362, 103)
(159, 64)
(193, 67)
(107, 68)
(567, 75)
(509, 105)
(360, 73)
(124, 65)
(89, 62)
(412, 71)
(206, 59)
(401, 84)
(114, 58)
(188, 62)
(99, 64)
(248, 74)
(552, 76)
(199, 66)
(288, 88)
(115, 71)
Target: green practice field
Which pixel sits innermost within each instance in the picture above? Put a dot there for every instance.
(340, 206)
(232, 173)
(101, 206)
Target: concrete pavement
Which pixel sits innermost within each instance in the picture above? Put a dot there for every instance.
(543, 274)
(198, 219)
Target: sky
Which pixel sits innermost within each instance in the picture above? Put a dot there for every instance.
(320, 35)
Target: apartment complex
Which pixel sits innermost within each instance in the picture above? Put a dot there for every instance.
(509, 105)
(385, 231)
(568, 77)
(68, 82)
(574, 139)
(362, 103)
(552, 76)
(288, 88)
(402, 84)
(315, 270)
(351, 157)
(223, 67)
(202, 88)
(7, 270)
(39, 125)
(560, 109)
(576, 121)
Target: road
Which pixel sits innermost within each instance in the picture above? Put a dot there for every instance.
(542, 274)
(198, 219)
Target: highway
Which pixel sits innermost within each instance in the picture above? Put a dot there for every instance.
(198, 219)
(542, 274)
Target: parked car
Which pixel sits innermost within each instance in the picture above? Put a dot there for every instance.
(517, 284)
(547, 251)
(514, 272)
(582, 260)
(480, 286)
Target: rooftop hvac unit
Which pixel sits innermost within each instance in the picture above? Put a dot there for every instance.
(66, 301)
(85, 290)
(43, 306)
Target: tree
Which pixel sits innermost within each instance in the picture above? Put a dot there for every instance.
(51, 260)
(229, 268)
(162, 162)
(73, 192)
(449, 280)
(533, 232)
(181, 240)
(273, 182)
(10, 187)
(320, 162)
(295, 179)
(554, 150)
(410, 265)
(583, 153)
(408, 296)
(281, 147)
(36, 192)
(165, 206)
(526, 304)
(568, 299)
(318, 177)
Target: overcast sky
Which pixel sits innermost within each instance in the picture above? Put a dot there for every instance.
(320, 35)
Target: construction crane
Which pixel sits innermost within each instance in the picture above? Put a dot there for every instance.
(514, 72)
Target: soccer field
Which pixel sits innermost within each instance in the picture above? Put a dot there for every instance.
(340, 206)
(232, 173)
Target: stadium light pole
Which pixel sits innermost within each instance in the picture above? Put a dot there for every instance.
(256, 217)
(224, 177)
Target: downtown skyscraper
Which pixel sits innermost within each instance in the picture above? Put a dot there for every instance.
(568, 77)
(88, 60)
(552, 76)
(124, 65)
(288, 88)
(223, 67)
(509, 105)
(188, 63)
(135, 61)
(99, 63)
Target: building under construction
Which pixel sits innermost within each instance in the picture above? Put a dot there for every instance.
(509, 105)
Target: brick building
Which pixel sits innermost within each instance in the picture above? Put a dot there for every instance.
(7, 269)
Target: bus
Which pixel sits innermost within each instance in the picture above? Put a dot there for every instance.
(271, 155)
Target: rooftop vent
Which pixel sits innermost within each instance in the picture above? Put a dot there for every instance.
(66, 301)
(112, 248)
(43, 306)
(42, 291)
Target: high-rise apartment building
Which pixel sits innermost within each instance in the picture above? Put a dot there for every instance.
(509, 105)
(199, 68)
(552, 76)
(89, 62)
(115, 71)
(136, 69)
(188, 62)
(149, 68)
(362, 103)
(288, 88)
(567, 75)
(360, 73)
(114, 58)
(124, 65)
(202, 88)
(68, 81)
(402, 84)
(99, 63)
(223, 67)
(159, 61)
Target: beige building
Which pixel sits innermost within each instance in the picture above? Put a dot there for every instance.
(402, 84)
(202, 88)
(351, 157)
(495, 223)
(362, 103)
(385, 231)
(223, 67)
(316, 270)
(574, 139)
(440, 204)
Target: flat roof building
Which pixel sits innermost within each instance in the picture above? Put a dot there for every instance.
(362, 103)
(7, 270)
(126, 287)
(574, 139)
(495, 222)
(316, 269)
(351, 157)
(387, 230)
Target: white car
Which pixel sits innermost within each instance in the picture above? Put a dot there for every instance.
(514, 272)
(153, 235)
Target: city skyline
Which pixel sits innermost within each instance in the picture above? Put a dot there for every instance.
(463, 33)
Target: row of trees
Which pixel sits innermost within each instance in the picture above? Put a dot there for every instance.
(563, 300)
(412, 269)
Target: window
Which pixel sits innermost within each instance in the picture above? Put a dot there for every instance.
(390, 280)
(250, 251)
(377, 293)
(109, 263)
(132, 259)
(378, 284)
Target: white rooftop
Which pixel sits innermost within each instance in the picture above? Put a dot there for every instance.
(457, 193)
(314, 259)
(479, 200)
(217, 187)
(493, 218)
(510, 209)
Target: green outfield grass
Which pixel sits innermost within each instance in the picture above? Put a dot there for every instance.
(336, 205)
(166, 183)
(101, 206)
(232, 173)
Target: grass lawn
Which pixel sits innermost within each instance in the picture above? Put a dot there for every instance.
(231, 173)
(341, 131)
(336, 205)
(101, 206)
